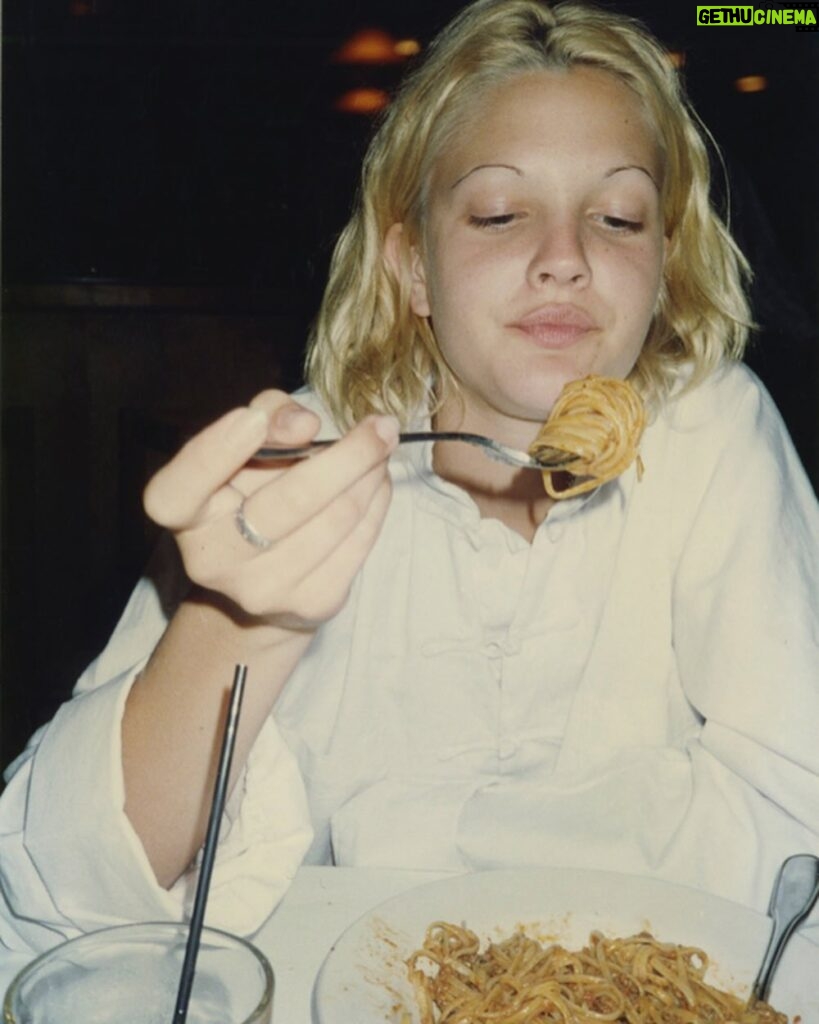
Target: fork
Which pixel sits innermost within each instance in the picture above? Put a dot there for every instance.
(549, 458)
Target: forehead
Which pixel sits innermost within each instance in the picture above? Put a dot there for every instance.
(581, 115)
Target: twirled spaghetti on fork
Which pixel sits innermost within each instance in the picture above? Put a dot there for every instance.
(600, 421)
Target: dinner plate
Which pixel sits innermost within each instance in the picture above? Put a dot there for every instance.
(363, 979)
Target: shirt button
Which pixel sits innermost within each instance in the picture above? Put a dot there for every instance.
(494, 649)
(554, 531)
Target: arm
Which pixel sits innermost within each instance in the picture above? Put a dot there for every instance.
(746, 628)
(259, 608)
(747, 641)
(70, 858)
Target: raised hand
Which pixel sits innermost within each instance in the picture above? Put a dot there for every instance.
(307, 527)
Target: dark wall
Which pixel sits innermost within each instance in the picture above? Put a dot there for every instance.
(174, 176)
(96, 399)
(197, 142)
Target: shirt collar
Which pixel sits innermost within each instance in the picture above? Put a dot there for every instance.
(453, 502)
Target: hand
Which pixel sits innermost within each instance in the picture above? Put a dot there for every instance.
(321, 515)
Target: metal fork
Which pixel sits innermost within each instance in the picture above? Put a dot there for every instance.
(550, 458)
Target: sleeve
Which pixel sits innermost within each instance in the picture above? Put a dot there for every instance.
(746, 635)
(69, 859)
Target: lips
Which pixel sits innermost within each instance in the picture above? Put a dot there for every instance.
(557, 325)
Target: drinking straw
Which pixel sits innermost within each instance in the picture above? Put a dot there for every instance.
(209, 850)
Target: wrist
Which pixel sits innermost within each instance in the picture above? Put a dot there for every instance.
(248, 634)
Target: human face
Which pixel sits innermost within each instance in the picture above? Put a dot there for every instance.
(543, 247)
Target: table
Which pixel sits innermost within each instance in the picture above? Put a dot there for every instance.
(319, 905)
(322, 902)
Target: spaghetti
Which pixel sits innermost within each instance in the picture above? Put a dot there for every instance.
(636, 980)
(600, 421)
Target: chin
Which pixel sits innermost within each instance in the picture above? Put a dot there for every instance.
(537, 396)
(532, 409)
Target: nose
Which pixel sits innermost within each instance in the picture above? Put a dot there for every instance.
(560, 254)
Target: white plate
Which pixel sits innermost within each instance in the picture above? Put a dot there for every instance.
(363, 979)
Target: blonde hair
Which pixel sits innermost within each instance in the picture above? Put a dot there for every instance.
(368, 351)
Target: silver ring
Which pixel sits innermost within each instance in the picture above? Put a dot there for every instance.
(247, 531)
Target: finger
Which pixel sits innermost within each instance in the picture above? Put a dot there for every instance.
(176, 494)
(292, 498)
(289, 422)
(308, 547)
(314, 569)
(321, 594)
(215, 550)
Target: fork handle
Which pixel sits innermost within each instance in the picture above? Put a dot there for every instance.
(268, 454)
(557, 459)
(306, 450)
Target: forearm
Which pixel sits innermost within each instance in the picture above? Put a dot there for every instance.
(174, 716)
(257, 603)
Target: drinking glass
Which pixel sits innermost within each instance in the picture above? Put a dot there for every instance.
(130, 975)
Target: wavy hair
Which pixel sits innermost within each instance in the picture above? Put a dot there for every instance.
(368, 352)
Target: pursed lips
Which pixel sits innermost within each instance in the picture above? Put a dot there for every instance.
(557, 325)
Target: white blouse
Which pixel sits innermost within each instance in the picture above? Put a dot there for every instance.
(637, 690)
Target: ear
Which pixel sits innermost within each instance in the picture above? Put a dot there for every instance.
(404, 259)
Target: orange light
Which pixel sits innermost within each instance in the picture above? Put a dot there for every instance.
(751, 83)
(407, 47)
(362, 101)
(368, 46)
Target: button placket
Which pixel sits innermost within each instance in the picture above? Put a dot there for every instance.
(507, 745)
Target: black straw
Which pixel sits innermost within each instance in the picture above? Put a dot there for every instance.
(209, 851)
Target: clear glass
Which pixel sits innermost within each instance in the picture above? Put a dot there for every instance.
(130, 975)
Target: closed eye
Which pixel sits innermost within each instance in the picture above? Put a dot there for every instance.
(621, 225)
(497, 221)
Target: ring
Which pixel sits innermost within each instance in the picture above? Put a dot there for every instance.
(247, 531)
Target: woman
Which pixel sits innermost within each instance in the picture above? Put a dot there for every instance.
(448, 668)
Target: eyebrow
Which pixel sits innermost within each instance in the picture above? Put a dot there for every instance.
(519, 172)
(482, 167)
(633, 167)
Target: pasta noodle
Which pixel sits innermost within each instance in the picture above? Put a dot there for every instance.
(636, 980)
(600, 420)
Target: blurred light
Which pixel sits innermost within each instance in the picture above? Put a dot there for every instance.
(751, 83)
(407, 47)
(368, 46)
(676, 58)
(81, 8)
(362, 101)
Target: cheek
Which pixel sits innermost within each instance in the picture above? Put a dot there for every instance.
(635, 278)
(453, 285)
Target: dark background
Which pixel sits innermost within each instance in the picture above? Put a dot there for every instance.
(174, 176)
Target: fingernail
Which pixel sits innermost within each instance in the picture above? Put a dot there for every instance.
(387, 428)
(246, 424)
(291, 415)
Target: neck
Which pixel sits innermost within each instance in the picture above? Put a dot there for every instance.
(514, 496)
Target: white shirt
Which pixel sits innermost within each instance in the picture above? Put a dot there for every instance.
(637, 690)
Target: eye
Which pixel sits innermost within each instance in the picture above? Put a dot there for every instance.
(499, 220)
(620, 225)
